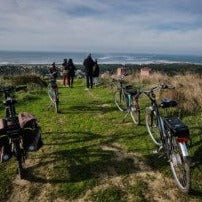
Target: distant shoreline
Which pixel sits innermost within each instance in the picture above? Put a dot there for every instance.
(120, 64)
(45, 58)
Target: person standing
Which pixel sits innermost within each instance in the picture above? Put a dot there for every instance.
(65, 72)
(88, 64)
(96, 72)
(71, 73)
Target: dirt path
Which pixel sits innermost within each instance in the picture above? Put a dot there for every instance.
(159, 187)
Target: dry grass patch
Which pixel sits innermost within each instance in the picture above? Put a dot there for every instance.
(188, 88)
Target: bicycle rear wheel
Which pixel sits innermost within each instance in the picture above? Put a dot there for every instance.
(152, 126)
(180, 166)
(19, 157)
(120, 101)
(135, 113)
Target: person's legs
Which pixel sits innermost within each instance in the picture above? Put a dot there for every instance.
(68, 80)
(71, 81)
(95, 81)
(87, 81)
(91, 81)
(64, 80)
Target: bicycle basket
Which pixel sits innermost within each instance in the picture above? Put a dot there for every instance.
(177, 127)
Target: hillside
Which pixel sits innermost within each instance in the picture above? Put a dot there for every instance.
(90, 154)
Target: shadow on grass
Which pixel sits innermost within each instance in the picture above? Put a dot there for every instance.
(82, 162)
(67, 137)
(89, 109)
(163, 166)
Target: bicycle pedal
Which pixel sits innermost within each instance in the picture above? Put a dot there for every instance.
(155, 151)
(160, 148)
(161, 156)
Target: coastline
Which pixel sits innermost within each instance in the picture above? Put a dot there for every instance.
(42, 69)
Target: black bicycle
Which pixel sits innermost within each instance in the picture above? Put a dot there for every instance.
(21, 131)
(126, 99)
(171, 135)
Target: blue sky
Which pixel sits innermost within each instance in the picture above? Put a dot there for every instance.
(139, 26)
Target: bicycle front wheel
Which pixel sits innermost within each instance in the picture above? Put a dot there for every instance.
(135, 113)
(120, 101)
(180, 165)
(152, 126)
(56, 103)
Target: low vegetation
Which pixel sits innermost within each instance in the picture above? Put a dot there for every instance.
(90, 154)
(188, 90)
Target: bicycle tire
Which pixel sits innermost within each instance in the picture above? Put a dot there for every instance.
(152, 126)
(56, 103)
(19, 161)
(184, 184)
(135, 114)
(119, 99)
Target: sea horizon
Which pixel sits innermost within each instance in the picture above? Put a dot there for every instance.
(47, 57)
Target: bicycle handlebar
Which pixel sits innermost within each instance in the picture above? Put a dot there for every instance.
(4, 89)
(150, 93)
(159, 87)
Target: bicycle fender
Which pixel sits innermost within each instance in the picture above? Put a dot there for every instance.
(183, 147)
(161, 125)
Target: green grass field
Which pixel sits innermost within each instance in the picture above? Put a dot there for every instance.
(90, 154)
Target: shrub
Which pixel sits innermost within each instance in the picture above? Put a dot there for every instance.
(28, 79)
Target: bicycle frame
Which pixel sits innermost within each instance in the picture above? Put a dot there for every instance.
(53, 94)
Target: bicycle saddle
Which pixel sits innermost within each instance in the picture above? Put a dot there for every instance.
(132, 91)
(126, 86)
(166, 103)
(129, 89)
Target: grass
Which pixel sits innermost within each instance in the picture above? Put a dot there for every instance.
(138, 190)
(113, 194)
(72, 160)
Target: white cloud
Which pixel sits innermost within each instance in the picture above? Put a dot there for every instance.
(47, 25)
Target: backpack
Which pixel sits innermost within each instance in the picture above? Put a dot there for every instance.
(2, 126)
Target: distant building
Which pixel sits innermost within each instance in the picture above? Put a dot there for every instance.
(120, 71)
(105, 74)
(145, 71)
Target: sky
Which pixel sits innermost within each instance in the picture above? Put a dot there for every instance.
(125, 26)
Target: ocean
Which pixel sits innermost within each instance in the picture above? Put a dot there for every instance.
(19, 57)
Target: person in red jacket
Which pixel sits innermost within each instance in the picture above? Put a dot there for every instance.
(65, 72)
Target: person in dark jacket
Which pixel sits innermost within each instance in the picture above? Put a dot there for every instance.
(96, 72)
(88, 64)
(71, 73)
(65, 72)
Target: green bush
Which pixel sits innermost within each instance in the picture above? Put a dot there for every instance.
(28, 79)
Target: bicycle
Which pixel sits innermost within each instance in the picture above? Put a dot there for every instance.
(13, 130)
(171, 135)
(53, 93)
(126, 99)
